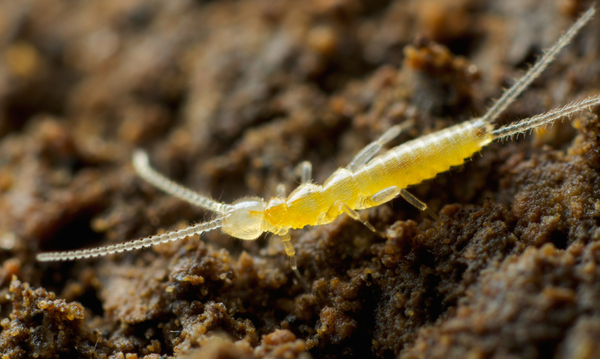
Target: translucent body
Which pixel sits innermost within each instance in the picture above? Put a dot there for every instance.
(402, 166)
(368, 181)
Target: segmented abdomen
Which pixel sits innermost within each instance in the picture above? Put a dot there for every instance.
(423, 158)
(402, 166)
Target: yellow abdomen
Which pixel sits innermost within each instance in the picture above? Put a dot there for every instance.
(423, 158)
(402, 166)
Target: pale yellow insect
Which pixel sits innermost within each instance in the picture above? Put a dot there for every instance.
(366, 182)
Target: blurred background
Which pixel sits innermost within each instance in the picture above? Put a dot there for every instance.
(228, 97)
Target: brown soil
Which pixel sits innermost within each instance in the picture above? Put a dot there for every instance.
(228, 97)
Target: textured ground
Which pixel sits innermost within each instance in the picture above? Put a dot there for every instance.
(227, 97)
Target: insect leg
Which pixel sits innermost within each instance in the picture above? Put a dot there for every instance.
(289, 250)
(352, 214)
(417, 203)
(379, 198)
(304, 170)
(371, 149)
(281, 191)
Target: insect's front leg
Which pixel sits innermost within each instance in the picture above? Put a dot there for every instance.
(281, 191)
(289, 249)
(304, 171)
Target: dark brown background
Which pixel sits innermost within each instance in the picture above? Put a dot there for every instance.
(227, 97)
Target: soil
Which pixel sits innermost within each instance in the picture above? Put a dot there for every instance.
(228, 97)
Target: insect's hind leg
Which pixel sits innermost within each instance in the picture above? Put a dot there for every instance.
(372, 148)
(417, 203)
(390, 193)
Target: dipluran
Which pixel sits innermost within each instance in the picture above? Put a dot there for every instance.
(366, 182)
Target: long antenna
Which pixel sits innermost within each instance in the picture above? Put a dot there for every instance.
(130, 246)
(141, 163)
(515, 90)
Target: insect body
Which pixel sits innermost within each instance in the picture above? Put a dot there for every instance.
(366, 182)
